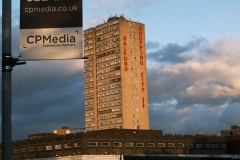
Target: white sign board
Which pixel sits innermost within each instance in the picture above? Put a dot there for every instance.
(51, 29)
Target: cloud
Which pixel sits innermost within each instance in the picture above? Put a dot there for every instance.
(192, 86)
(175, 53)
(47, 92)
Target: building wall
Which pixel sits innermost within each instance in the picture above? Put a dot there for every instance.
(115, 141)
(115, 76)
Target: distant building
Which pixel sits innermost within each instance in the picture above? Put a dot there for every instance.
(235, 130)
(66, 130)
(40, 135)
(116, 91)
(232, 139)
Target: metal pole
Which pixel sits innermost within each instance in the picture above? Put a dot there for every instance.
(6, 81)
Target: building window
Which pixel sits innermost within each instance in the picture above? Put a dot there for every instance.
(206, 145)
(49, 147)
(40, 148)
(180, 145)
(105, 144)
(24, 150)
(58, 146)
(198, 145)
(223, 146)
(77, 144)
(92, 144)
(117, 144)
(67, 145)
(139, 144)
(128, 144)
(161, 145)
(170, 145)
(189, 145)
(150, 145)
(32, 149)
(16, 151)
(214, 145)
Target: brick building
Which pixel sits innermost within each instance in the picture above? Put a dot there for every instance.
(116, 93)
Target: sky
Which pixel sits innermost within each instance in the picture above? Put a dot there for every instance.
(193, 64)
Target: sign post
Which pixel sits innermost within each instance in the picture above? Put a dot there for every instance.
(6, 81)
(51, 29)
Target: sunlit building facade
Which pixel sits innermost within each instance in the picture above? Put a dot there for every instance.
(116, 91)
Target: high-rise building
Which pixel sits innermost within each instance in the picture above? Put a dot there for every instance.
(116, 91)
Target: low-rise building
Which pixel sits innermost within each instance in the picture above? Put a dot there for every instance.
(118, 142)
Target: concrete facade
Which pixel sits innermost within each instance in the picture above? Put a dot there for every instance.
(116, 92)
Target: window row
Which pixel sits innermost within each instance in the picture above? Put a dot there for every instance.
(108, 64)
(107, 30)
(89, 97)
(90, 125)
(109, 70)
(109, 99)
(108, 47)
(89, 91)
(89, 108)
(88, 103)
(88, 42)
(106, 42)
(108, 58)
(88, 64)
(88, 75)
(152, 144)
(109, 87)
(210, 146)
(107, 53)
(89, 86)
(48, 147)
(228, 133)
(88, 80)
(109, 93)
(90, 119)
(106, 36)
(89, 114)
(88, 53)
(88, 47)
(110, 122)
(110, 116)
(112, 127)
(87, 37)
(108, 75)
(110, 104)
(107, 24)
(88, 69)
(114, 144)
(110, 110)
(88, 31)
(109, 81)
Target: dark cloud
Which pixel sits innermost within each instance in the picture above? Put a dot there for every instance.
(152, 45)
(201, 88)
(47, 92)
(47, 95)
(176, 53)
